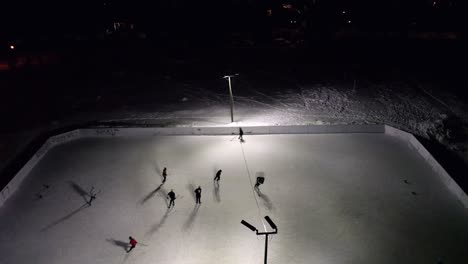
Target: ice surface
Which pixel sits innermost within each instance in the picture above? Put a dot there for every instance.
(338, 198)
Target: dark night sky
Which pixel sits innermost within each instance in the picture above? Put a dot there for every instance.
(22, 17)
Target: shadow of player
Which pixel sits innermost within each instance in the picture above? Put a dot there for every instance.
(193, 215)
(66, 217)
(216, 192)
(191, 189)
(79, 190)
(160, 224)
(163, 193)
(158, 170)
(151, 194)
(265, 199)
(118, 243)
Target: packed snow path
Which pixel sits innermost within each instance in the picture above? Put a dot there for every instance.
(336, 199)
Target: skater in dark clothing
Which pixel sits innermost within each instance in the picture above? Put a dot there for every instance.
(260, 180)
(241, 134)
(164, 174)
(218, 176)
(198, 195)
(171, 195)
(92, 196)
(132, 243)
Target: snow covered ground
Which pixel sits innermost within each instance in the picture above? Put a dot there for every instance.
(194, 94)
(338, 198)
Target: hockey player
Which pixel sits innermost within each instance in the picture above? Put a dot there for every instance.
(171, 195)
(198, 195)
(218, 176)
(132, 243)
(164, 174)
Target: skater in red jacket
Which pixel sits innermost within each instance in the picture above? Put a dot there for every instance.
(132, 243)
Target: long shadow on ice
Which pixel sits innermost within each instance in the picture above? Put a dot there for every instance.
(160, 224)
(216, 191)
(79, 190)
(163, 193)
(158, 170)
(151, 194)
(265, 199)
(66, 217)
(118, 243)
(191, 189)
(188, 224)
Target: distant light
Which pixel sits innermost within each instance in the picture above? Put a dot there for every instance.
(12, 47)
(344, 12)
(349, 21)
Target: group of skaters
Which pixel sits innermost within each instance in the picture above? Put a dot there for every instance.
(198, 191)
(172, 197)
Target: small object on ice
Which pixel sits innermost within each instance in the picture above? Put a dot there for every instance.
(184, 99)
(43, 191)
(407, 182)
(414, 193)
(132, 243)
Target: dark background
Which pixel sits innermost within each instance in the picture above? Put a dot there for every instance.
(68, 50)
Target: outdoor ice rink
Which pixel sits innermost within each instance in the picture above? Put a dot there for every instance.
(336, 199)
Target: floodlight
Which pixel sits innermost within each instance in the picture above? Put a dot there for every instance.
(266, 234)
(230, 76)
(268, 219)
(249, 226)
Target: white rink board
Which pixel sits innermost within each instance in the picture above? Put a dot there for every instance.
(336, 198)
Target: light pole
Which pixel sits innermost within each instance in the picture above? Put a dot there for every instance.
(228, 77)
(253, 228)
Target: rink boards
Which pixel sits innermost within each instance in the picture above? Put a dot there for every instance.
(9, 189)
(371, 195)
